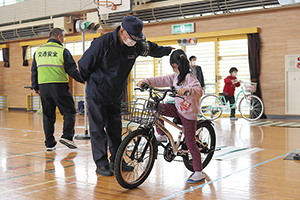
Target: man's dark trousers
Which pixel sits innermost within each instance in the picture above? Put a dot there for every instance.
(106, 118)
(52, 95)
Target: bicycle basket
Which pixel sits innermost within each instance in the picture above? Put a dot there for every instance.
(141, 111)
(250, 87)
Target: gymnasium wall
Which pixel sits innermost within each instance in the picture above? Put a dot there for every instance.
(279, 34)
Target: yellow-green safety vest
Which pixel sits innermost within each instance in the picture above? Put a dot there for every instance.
(50, 64)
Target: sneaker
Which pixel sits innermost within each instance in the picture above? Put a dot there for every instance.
(161, 138)
(125, 166)
(68, 143)
(196, 177)
(233, 118)
(105, 171)
(51, 148)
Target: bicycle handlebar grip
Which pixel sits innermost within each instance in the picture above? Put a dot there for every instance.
(145, 86)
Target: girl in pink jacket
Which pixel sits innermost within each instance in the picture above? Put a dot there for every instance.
(186, 109)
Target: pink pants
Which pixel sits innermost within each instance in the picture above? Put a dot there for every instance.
(189, 127)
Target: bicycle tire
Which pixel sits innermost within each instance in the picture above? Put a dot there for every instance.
(131, 149)
(252, 105)
(204, 129)
(209, 107)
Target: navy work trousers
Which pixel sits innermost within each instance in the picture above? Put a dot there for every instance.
(52, 95)
(105, 130)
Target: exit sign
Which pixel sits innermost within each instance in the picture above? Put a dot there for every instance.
(183, 28)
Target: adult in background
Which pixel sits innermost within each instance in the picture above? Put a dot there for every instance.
(196, 70)
(106, 66)
(51, 67)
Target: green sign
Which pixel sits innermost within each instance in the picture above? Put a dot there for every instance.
(183, 28)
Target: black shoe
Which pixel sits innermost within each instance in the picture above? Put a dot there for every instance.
(125, 166)
(296, 156)
(105, 171)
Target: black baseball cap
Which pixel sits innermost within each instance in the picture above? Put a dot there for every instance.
(134, 27)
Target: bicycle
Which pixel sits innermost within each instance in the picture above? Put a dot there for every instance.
(250, 106)
(140, 147)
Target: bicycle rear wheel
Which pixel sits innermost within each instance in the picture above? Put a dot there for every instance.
(138, 149)
(205, 134)
(210, 107)
(251, 107)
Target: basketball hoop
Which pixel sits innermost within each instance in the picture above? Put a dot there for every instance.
(104, 8)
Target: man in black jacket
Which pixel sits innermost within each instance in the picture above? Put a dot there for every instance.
(197, 71)
(106, 66)
(51, 66)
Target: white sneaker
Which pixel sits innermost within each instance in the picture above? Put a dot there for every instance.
(197, 177)
(68, 143)
(161, 138)
(51, 148)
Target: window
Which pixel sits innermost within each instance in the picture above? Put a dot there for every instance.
(205, 53)
(1, 55)
(143, 68)
(75, 47)
(233, 53)
(146, 67)
(164, 67)
(31, 50)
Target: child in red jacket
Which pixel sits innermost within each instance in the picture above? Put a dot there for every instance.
(231, 82)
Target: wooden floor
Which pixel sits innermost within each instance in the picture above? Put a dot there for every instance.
(28, 171)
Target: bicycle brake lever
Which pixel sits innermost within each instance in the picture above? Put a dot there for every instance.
(142, 90)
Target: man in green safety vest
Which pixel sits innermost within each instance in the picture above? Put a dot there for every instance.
(51, 67)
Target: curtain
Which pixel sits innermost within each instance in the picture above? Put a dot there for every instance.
(5, 52)
(254, 61)
(24, 55)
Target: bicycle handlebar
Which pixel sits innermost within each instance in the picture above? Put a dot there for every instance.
(146, 86)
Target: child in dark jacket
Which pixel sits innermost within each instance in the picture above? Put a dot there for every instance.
(231, 82)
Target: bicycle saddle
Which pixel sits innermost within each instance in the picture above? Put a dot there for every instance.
(177, 121)
(224, 93)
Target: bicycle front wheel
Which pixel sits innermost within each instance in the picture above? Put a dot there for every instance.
(139, 150)
(251, 107)
(210, 107)
(206, 141)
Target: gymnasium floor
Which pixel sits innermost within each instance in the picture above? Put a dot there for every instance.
(28, 171)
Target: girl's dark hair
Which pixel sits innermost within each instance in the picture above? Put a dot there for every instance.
(179, 57)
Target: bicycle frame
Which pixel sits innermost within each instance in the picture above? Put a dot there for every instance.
(168, 134)
(175, 147)
(222, 99)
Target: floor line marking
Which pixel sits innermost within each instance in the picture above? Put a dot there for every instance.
(37, 184)
(221, 178)
(25, 154)
(48, 170)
